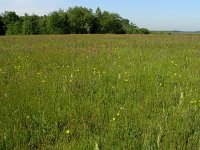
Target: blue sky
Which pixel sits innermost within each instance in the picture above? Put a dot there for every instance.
(152, 14)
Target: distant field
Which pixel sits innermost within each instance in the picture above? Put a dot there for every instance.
(100, 92)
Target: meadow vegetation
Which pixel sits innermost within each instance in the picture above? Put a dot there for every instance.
(100, 91)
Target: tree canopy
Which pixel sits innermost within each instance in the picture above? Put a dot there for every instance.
(76, 20)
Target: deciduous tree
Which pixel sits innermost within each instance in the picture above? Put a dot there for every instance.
(30, 25)
(2, 26)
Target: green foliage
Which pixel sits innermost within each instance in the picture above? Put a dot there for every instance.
(12, 23)
(14, 28)
(30, 25)
(57, 23)
(100, 91)
(77, 20)
(42, 23)
(81, 20)
(130, 27)
(10, 17)
(111, 23)
(144, 31)
(95, 26)
(2, 26)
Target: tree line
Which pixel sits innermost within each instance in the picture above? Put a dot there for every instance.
(76, 20)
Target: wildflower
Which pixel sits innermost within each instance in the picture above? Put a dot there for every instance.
(43, 81)
(126, 80)
(173, 63)
(113, 119)
(121, 108)
(67, 132)
(118, 114)
(181, 97)
(96, 146)
(193, 101)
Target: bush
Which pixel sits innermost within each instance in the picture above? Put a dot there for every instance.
(144, 31)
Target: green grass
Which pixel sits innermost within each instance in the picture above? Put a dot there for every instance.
(109, 91)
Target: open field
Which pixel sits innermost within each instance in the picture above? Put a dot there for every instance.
(100, 91)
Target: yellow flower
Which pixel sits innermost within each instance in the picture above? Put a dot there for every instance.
(113, 119)
(121, 108)
(43, 81)
(67, 132)
(193, 101)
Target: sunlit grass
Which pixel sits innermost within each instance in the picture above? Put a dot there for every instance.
(100, 91)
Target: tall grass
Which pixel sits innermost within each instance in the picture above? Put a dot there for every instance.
(100, 92)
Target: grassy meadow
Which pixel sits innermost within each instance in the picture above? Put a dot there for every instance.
(131, 92)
